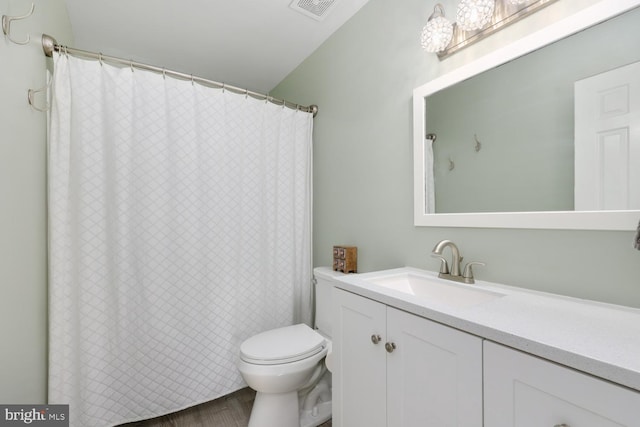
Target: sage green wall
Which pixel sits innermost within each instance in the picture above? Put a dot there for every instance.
(23, 241)
(362, 79)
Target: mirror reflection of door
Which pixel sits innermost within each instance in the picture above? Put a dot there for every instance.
(607, 140)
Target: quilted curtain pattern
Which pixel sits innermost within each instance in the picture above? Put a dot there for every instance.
(179, 222)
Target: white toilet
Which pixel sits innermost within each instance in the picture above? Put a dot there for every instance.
(287, 369)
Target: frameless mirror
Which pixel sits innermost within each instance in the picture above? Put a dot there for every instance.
(504, 152)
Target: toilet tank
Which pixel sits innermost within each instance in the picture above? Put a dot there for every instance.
(325, 281)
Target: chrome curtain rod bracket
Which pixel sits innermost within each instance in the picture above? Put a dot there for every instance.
(6, 25)
(49, 45)
(31, 97)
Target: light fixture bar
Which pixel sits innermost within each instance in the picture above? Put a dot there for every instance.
(506, 13)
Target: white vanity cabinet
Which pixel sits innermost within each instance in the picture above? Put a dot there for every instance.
(397, 369)
(521, 390)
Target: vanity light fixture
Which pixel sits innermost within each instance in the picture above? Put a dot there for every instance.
(475, 20)
(474, 14)
(438, 32)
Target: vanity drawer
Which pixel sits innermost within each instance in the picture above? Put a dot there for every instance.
(521, 390)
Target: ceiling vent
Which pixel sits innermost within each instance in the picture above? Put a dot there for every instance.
(316, 9)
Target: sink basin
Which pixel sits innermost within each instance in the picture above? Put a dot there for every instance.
(435, 290)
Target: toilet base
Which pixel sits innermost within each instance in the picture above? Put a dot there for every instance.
(320, 414)
(275, 410)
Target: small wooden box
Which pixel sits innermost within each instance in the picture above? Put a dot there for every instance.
(345, 259)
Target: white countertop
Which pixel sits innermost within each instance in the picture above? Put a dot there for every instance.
(597, 338)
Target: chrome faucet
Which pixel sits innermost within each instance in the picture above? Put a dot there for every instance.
(454, 274)
(455, 262)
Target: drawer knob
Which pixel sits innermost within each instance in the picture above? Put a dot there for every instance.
(390, 346)
(375, 338)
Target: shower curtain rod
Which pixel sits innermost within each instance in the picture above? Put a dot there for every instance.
(49, 45)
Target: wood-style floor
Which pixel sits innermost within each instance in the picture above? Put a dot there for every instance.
(228, 411)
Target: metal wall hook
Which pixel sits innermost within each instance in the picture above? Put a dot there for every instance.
(452, 165)
(478, 144)
(31, 95)
(6, 25)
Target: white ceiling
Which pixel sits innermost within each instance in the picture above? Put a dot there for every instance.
(252, 44)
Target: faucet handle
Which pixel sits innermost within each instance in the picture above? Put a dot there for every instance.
(444, 267)
(468, 271)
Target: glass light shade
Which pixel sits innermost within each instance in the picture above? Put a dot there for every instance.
(437, 34)
(474, 14)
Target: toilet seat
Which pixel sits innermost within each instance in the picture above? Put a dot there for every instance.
(282, 345)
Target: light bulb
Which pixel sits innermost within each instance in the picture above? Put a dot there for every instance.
(438, 32)
(474, 14)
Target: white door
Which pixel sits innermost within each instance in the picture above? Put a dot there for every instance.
(523, 391)
(359, 376)
(434, 374)
(607, 140)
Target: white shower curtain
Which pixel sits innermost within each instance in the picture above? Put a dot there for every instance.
(179, 226)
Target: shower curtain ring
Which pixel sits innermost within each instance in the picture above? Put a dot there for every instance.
(164, 73)
(192, 82)
(131, 64)
(100, 58)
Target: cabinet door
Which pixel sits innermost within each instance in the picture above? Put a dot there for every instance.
(524, 391)
(434, 375)
(359, 377)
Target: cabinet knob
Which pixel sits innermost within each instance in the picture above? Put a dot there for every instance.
(562, 425)
(375, 338)
(390, 346)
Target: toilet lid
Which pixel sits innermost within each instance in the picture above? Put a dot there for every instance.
(282, 345)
